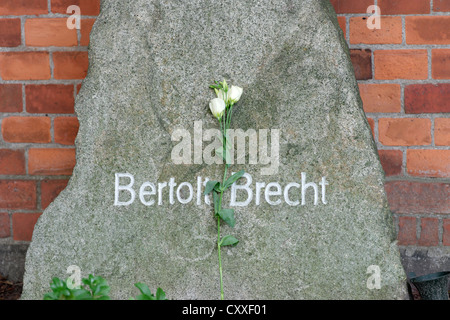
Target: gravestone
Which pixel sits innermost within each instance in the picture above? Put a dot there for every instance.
(311, 212)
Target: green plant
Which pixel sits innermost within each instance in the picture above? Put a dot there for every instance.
(146, 293)
(95, 288)
(222, 109)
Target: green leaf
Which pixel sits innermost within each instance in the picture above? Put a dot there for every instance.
(227, 215)
(100, 292)
(233, 179)
(59, 290)
(228, 241)
(144, 289)
(51, 296)
(146, 294)
(81, 294)
(210, 186)
(62, 292)
(160, 294)
(57, 284)
(98, 286)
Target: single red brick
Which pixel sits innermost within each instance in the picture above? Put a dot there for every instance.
(391, 31)
(87, 7)
(429, 234)
(17, 194)
(404, 6)
(418, 197)
(12, 162)
(86, 27)
(47, 32)
(428, 163)
(66, 130)
(392, 161)
(4, 225)
(351, 6)
(23, 225)
(441, 5)
(407, 233)
(50, 189)
(442, 131)
(51, 162)
(440, 63)
(401, 64)
(446, 233)
(50, 98)
(362, 63)
(427, 98)
(25, 65)
(427, 30)
(10, 33)
(26, 129)
(11, 98)
(70, 65)
(383, 98)
(23, 7)
(404, 132)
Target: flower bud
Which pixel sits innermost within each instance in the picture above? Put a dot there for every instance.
(217, 107)
(235, 94)
(225, 85)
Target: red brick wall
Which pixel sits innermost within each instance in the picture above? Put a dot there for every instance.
(403, 71)
(42, 64)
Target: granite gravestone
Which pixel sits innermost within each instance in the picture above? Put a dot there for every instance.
(311, 212)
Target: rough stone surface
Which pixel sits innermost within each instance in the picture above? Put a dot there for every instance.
(151, 63)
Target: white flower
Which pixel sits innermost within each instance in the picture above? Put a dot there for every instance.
(234, 94)
(217, 107)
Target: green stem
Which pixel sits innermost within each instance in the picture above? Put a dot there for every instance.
(223, 128)
(220, 258)
(218, 237)
(229, 116)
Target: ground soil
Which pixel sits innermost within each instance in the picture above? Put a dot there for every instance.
(9, 290)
